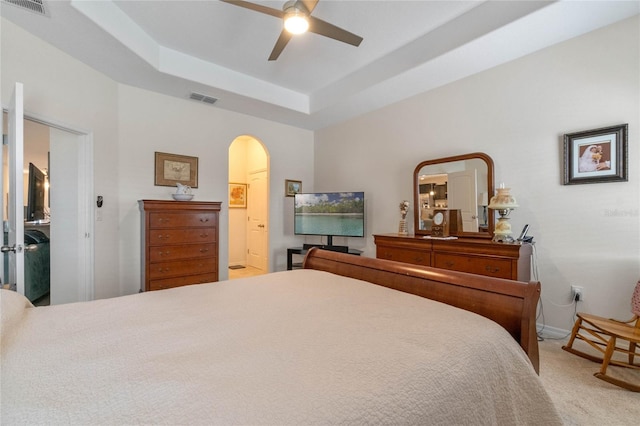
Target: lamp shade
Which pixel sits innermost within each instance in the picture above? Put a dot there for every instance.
(635, 300)
(503, 200)
(483, 199)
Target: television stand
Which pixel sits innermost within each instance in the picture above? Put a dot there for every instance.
(301, 251)
(341, 249)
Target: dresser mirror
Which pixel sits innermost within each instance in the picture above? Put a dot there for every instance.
(462, 182)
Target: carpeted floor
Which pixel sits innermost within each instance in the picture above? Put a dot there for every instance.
(581, 398)
(244, 272)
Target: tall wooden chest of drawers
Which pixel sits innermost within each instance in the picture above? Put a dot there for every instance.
(475, 256)
(179, 243)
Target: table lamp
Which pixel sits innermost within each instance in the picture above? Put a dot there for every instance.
(503, 202)
(483, 201)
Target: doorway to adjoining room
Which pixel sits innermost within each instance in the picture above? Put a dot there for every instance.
(58, 260)
(248, 208)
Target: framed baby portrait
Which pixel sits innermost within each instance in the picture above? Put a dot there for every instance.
(596, 156)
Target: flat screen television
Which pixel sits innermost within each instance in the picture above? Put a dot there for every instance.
(35, 198)
(339, 214)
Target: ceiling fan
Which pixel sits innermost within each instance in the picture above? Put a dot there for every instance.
(296, 15)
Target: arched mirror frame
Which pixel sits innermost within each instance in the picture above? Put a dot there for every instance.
(490, 187)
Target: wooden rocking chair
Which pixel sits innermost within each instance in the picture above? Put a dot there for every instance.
(602, 334)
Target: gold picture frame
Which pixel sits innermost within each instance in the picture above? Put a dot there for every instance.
(172, 169)
(237, 195)
(292, 187)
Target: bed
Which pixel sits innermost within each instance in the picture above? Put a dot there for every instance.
(319, 345)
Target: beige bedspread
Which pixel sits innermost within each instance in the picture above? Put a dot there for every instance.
(298, 347)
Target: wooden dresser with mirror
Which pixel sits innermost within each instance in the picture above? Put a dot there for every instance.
(465, 183)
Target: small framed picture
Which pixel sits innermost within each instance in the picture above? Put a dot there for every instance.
(292, 187)
(172, 169)
(237, 195)
(596, 156)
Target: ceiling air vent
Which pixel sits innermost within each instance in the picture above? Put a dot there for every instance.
(35, 6)
(202, 98)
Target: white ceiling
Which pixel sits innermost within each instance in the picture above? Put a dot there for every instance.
(221, 50)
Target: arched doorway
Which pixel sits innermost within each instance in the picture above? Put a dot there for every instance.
(249, 220)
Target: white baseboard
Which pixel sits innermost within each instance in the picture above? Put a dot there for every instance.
(552, 332)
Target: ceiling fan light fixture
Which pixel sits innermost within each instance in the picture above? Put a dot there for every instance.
(295, 20)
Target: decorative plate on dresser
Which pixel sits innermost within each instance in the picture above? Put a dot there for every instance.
(179, 243)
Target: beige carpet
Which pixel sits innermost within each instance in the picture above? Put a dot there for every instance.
(581, 398)
(244, 272)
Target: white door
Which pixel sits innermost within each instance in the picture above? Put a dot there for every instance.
(15, 219)
(70, 223)
(258, 235)
(461, 194)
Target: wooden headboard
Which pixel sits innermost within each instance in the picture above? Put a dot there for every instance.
(512, 304)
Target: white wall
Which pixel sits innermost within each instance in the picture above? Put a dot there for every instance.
(517, 113)
(128, 125)
(150, 122)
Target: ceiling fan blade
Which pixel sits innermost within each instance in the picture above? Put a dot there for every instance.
(326, 29)
(256, 7)
(284, 38)
(309, 4)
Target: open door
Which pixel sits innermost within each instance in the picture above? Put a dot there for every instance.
(461, 194)
(15, 220)
(71, 239)
(258, 234)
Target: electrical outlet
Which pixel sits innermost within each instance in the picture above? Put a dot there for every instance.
(577, 293)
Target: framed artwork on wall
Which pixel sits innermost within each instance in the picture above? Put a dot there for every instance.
(596, 156)
(237, 195)
(292, 187)
(172, 169)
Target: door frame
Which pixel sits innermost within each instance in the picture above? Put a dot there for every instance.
(85, 273)
(245, 140)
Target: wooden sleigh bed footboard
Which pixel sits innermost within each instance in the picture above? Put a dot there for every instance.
(512, 304)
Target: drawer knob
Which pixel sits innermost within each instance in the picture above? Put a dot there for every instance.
(164, 253)
(205, 235)
(162, 270)
(492, 269)
(449, 264)
(162, 237)
(418, 259)
(204, 250)
(204, 219)
(163, 219)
